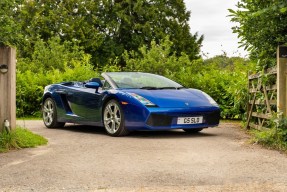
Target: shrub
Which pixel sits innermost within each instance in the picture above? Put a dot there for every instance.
(275, 137)
(51, 63)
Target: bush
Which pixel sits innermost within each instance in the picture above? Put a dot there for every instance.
(51, 63)
(275, 137)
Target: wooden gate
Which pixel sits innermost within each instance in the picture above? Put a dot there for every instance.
(262, 103)
(267, 94)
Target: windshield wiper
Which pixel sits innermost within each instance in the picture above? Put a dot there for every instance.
(167, 88)
(177, 88)
(161, 88)
(149, 88)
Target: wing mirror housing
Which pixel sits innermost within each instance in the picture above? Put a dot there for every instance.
(93, 85)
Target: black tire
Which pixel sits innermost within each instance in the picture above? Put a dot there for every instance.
(193, 130)
(113, 119)
(49, 113)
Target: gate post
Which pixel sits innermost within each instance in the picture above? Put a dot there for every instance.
(7, 87)
(281, 81)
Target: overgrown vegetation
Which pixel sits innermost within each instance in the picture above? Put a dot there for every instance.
(19, 138)
(275, 137)
(51, 62)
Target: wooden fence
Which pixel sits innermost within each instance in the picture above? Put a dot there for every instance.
(267, 94)
(262, 103)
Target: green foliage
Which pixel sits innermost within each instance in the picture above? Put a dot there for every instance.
(8, 140)
(19, 138)
(52, 54)
(71, 20)
(158, 59)
(52, 62)
(105, 28)
(262, 27)
(275, 137)
(9, 28)
(137, 23)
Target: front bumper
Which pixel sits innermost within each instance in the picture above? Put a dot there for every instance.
(166, 118)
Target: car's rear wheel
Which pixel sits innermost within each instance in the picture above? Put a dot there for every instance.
(193, 130)
(113, 118)
(49, 112)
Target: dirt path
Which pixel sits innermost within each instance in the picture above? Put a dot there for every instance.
(81, 158)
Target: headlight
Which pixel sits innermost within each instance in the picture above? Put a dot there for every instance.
(211, 101)
(143, 100)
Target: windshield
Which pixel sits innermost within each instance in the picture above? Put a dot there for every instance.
(138, 80)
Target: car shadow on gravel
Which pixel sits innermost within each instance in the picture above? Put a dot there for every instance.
(137, 134)
(168, 134)
(84, 129)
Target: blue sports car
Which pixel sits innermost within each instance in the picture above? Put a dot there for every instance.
(128, 101)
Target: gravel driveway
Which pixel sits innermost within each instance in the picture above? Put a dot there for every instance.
(81, 158)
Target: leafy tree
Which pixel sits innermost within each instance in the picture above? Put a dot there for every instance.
(135, 23)
(72, 20)
(9, 29)
(106, 28)
(262, 27)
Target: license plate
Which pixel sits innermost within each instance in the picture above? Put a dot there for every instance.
(189, 120)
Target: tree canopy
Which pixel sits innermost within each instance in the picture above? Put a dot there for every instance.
(262, 27)
(9, 29)
(104, 28)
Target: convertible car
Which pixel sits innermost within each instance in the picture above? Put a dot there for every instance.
(129, 101)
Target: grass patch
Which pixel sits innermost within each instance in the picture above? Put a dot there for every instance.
(29, 118)
(20, 138)
(230, 121)
(273, 138)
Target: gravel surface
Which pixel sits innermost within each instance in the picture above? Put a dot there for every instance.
(82, 158)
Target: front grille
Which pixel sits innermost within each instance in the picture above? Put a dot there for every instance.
(159, 120)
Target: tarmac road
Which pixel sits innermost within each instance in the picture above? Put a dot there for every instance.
(82, 158)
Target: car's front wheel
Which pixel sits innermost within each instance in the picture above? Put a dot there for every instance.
(49, 112)
(113, 118)
(193, 130)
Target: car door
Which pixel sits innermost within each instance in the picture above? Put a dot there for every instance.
(85, 103)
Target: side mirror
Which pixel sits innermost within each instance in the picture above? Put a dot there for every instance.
(93, 85)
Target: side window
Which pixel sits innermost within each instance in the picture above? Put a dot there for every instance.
(106, 86)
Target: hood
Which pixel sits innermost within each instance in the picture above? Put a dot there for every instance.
(171, 98)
